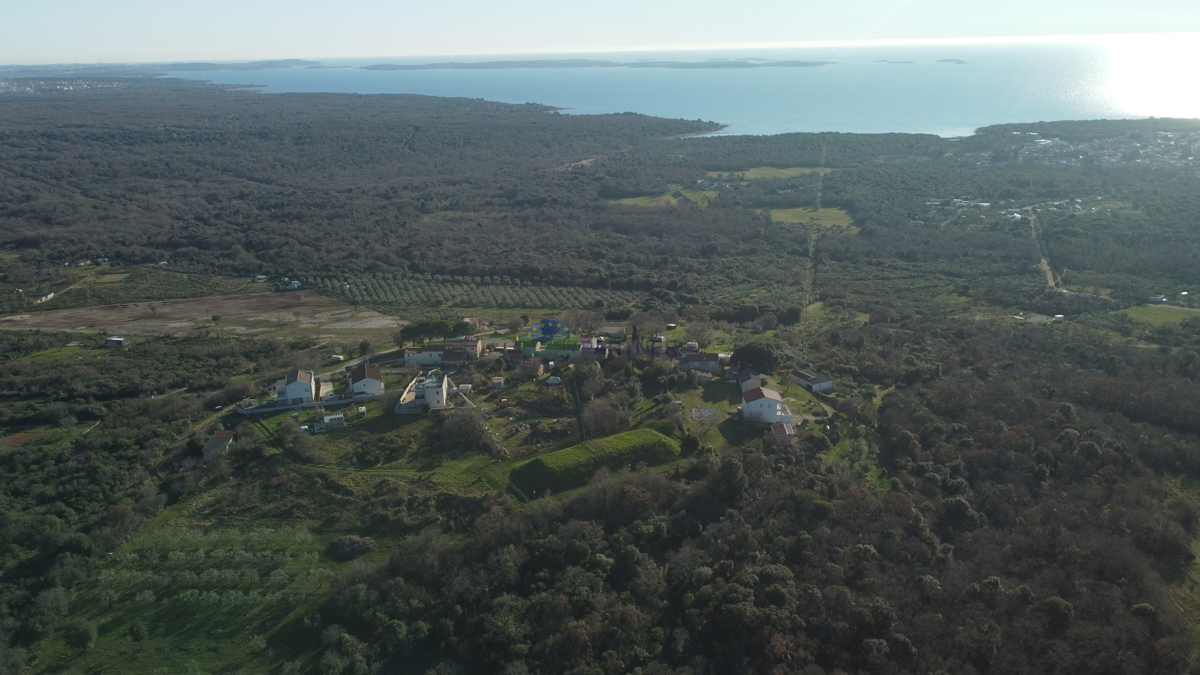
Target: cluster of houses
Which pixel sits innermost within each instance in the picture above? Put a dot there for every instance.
(301, 386)
(432, 390)
(453, 351)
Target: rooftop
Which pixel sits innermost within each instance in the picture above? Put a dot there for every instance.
(755, 394)
(366, 371)
(305, 376)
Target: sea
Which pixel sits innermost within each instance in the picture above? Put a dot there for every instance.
(947, 88)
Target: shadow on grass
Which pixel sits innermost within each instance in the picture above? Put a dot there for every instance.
(722, 392)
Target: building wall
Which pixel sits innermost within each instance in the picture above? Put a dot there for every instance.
(298, 392)
(767, 410)
(473, 348)
(423, 358)
(435, 397)
(368, 387)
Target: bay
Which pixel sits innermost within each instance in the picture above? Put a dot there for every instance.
(944, 89)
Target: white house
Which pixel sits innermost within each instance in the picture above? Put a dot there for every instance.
(765, 405)
(300, 386)
(432, 391)
(817, 384)
(430, 355)
(366, 380)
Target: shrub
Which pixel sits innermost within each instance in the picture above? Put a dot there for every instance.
(79, 633)
(350, 547)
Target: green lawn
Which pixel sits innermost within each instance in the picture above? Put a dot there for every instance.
(671, 197)
(1160, 315)
(769, 172)
(804, 214)
(573, 467)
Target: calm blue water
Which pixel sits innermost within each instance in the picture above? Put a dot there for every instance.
(861, 93)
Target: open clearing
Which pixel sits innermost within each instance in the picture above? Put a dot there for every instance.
(253, 313)
(1160, 315)
(826, 217)
(18, 439)
(769, 172)
(671, 197)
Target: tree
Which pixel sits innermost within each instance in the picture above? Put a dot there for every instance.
(700, 332)
(350, 547)
(584, 321)
(649, 323)
(79, 633)
(514, 324)
(49, 607)
(601, 418)
(761, 355)
(464, 429)
(364, 348)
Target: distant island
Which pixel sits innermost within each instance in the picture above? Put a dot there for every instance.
(252, 65)
(958, 62)
(591, 63)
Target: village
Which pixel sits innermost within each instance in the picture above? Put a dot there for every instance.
(538, 392)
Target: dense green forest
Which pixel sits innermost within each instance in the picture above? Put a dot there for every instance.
(985, 490)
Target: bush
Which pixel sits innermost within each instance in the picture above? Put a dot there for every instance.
(350, 547)
(79, 633)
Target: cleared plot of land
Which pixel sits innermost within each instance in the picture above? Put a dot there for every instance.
(21, 438)
(107, 286)
(573, 467)
(108, 278)
(671, 198)
(804, 214)
(769, 172)
(1160, 315)
(256, 313)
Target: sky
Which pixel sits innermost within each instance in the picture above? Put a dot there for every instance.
(141, 31)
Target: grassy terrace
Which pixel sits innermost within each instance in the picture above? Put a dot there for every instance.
(1160, 315)
(769, 172)
(671, 197)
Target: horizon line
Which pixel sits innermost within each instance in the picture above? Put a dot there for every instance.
(1083, 38)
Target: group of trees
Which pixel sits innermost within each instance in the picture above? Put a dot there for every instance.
(423, 331)
(71, 497)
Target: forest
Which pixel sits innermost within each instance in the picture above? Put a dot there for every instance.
(1004, 478)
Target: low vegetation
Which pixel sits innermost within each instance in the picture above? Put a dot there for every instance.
(572, 467)
(978, 492)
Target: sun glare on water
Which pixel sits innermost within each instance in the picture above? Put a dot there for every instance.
(1154, 75)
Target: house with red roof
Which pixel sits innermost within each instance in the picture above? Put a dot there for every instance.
(766, 406)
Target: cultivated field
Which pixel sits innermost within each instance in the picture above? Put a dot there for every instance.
(245, 314)
(671, 197)
(825, 217)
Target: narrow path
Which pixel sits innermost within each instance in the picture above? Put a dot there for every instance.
(810, 278)
(1035, 231)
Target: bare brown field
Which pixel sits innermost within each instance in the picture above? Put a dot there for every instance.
(18, 439)
(248, 314)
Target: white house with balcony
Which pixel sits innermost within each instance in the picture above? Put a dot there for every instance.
(766, 406)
